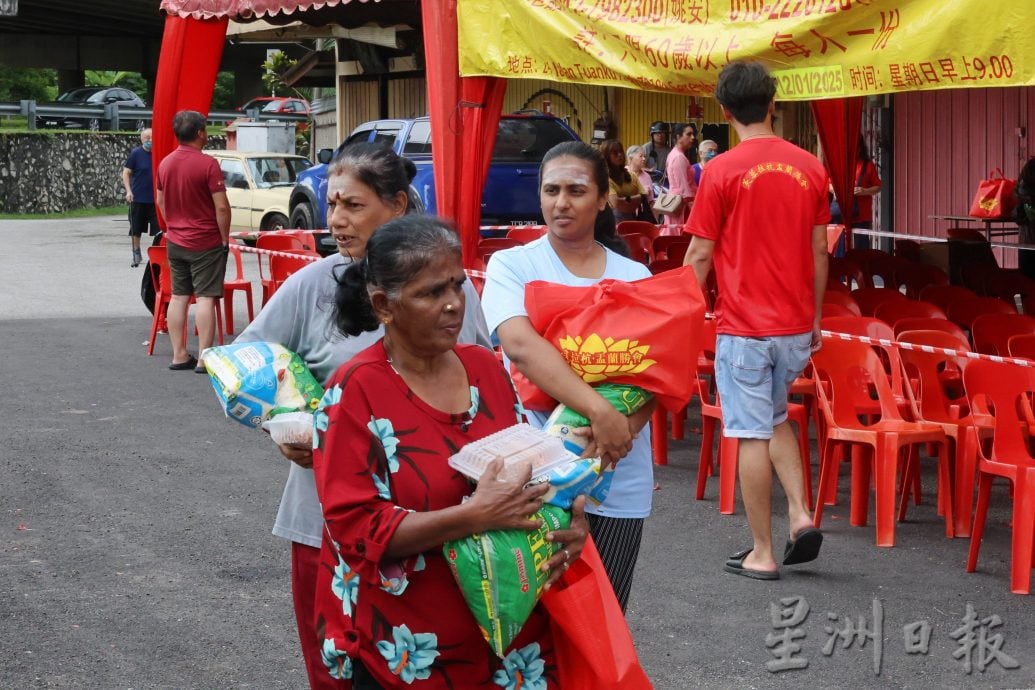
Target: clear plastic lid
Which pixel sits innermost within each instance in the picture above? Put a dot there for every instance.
(517, 445)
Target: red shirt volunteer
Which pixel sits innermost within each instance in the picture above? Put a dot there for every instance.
(191, 214)
(754, 298)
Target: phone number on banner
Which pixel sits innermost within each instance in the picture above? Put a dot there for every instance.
(808, 82)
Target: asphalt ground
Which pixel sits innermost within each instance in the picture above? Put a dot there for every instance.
(137, 553)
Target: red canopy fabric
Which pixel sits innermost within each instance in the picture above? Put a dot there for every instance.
(187, 67)
(838, 122)
(464, 113)
(244, 9)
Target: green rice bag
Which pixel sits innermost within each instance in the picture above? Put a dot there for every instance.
(500, 577)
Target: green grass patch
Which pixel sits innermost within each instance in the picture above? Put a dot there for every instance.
(74, 213)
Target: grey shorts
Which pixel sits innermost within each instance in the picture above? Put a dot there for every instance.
(197, 273)
(753, 376)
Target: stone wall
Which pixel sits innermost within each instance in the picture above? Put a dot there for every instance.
(54, 172)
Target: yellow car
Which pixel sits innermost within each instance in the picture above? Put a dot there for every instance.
(258, 185)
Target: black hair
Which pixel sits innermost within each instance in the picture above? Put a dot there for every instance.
(620, 175)
(746, 89)
(863, 151)
(604, 229)
(377, 166)
(396, 252)
(187, 124)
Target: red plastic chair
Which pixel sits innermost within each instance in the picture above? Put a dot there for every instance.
(893, 311)
(163, 295)
(1006, 387)
(847, 372)
(939, 397)
(640, 248)
(671, 246)
(869, 298)
(964, 312)
(929, 324)
(908, 250)
(1021, 346)
(977, 275)
(944, 295)
(832, 309)
(842, 299)
(281, 242)
(641, 227)
(236, 284)
(914, 277)
(847, 273)
(1007, 284)
(886, 267)
(991, 332)
(661, 265)
(526, 234)
(487, 245)
(282, 267)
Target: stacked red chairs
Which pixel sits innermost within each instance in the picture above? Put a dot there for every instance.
(963, 312)
(869, 298)
(1006, 388)
(163, 295)
(893, 311)
(847, 273)
(945, 295)
(1021, 346)
(236, 284)
(671, 246)
(526, 234)
(281, 242)
(640, 247)
(847, 373)
(931, 324)
(991, 333)
(640, 227)
(915, 277)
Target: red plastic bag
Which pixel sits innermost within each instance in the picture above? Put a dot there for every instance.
(591, 639)
(646, 333)
(994, 197)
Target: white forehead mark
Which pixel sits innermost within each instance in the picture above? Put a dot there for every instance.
(566, 173)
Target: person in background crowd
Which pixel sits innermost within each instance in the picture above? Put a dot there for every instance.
(657, 149)
(1024, 215)
(578, 250)
(680, 174)
(192, 199)
(140, 194)
(636, 164)
(867, 185)
(691, 150)
(771, 278)
(705, 152)
(389, 610)
(625, 194)
(367, 186)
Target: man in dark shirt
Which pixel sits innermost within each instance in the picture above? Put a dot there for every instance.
(136, 180)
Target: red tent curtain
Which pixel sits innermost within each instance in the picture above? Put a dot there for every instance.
(838, 122)
(464, 117)
(187, 68)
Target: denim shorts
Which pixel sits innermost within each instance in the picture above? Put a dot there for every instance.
(753, 376)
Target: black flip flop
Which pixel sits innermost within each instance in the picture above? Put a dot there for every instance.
(804, 547)
(735, 565)
(189, 363)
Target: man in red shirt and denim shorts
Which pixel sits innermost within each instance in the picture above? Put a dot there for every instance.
(192, 199)
(761, 214)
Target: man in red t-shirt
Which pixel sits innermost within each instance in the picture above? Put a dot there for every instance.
(191, 197)
(760, 215)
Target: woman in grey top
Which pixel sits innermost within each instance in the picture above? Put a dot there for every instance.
(367, 185)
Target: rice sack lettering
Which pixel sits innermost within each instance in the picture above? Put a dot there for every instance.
(500, 577)
(257, 381)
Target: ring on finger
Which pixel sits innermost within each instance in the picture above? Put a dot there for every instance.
(567, 555)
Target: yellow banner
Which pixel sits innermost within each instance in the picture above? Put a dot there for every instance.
(815, 48)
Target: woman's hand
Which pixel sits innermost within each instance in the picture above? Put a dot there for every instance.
(506, 504)
(303, 457)
(570, 540)
(612, 439)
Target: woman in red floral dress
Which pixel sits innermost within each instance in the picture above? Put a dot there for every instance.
(389, 610)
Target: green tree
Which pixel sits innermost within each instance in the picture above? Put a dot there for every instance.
(223, 94)
(18, 83)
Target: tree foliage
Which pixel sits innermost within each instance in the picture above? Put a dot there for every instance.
(21, 83)
(223, 94)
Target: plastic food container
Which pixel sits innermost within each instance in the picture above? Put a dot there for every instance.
(517, 445)
(291, 428)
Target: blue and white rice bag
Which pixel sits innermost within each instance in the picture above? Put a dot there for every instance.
(256, 381)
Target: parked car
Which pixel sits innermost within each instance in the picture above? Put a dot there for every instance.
(95, 97)
(278, 104)
(510, 195)
(258, 185)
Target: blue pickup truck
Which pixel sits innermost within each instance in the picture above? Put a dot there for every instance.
(510, 196)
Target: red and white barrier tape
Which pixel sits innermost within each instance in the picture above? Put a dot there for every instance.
(511, 227)
(884, 342)
(273, 252)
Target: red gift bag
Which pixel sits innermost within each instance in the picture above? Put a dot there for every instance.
(994, 197)
(646, 333)
(591, 639)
